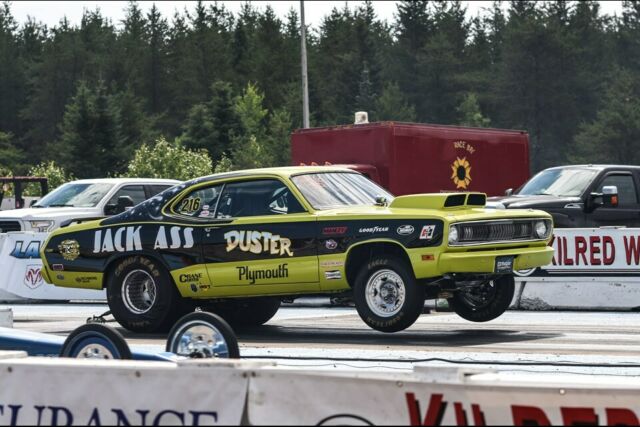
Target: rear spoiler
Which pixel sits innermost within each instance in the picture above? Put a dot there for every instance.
(441, 201)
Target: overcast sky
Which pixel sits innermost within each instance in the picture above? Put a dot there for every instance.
(50, 12)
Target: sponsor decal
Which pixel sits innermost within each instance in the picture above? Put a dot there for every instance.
(252, 275)
(128, 239)
(331, 264)
(194, 277)
(189, 206)
(258, 242)
(331, 244)
(334, 231)
(33, 277)
(60, 277)
(58, 267)
(86, 280)
(333, 275)
(372, 230)
(24, 250)
(69, 249)
(405, 230)
(194, 288)
(427, 232)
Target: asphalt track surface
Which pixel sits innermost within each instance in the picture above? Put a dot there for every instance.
(315, 335)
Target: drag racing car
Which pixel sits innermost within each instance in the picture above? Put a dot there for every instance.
(239, 242)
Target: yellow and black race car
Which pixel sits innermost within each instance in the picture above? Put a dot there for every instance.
(240, 241)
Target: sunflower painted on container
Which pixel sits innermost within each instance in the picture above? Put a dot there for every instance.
(461, 173)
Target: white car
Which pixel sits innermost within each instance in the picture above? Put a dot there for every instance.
(82, 200)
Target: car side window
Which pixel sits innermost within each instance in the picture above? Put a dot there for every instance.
(627, 193)
(136, 192)
(154, 190)
(200, 203)
(257, 198)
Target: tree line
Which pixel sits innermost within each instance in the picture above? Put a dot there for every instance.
(88, 96)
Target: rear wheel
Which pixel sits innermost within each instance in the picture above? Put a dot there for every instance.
(244, 313)
(387, 296)
(483, 301)
(142, 296)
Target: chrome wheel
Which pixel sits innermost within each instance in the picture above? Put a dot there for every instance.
(385, 293)
(95, 351)
(199, 340)
(139, 292)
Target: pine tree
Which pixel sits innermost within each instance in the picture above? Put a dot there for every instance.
(393, 105)
(470, 112)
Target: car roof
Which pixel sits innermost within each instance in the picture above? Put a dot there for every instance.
(596, 167)
(127, 181)
(283, 172)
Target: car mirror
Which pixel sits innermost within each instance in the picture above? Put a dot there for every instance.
(508, 192)
(125, 202)
(610, 196)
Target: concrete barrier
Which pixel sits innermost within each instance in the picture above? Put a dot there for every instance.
(92, 392)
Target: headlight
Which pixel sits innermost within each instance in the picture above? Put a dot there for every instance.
(41, 226)
(453, 235)
(542, 230)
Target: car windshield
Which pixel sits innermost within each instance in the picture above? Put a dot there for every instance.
(570, 182)
(75, 196)
(337, 189)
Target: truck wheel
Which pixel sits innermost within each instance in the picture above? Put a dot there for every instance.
(485, 302)
(386, 294)
(142, 296)
(245, 313)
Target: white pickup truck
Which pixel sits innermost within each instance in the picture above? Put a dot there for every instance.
(80, 200)
(23, 231)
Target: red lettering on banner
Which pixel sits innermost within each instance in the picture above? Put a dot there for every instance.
(621, 417)
(579, 417)
(478, 416)
(435, 412)
(529, 416)
(581, 250)
(594, 243)
(632, 248)
(608, 250)
(461, 415)
(551, 243)
(567, 260)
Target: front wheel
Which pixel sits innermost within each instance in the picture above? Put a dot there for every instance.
(484, 301)
(142, 296)
(386, 294)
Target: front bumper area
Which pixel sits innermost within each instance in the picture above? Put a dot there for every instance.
(485, 261)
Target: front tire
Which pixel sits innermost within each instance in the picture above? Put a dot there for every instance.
(142, 296)
(386, 294)
(485, 302)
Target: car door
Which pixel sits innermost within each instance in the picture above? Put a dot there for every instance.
(627, 213)
(261, 240)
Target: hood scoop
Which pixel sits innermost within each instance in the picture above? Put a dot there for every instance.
(441, 201)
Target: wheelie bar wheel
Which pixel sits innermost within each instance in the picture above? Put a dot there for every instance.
(95, 341)
(203, 335)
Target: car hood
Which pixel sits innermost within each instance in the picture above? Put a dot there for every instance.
(532, 202)
(48, 213)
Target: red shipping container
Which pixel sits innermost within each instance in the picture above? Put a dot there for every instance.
(411, 158)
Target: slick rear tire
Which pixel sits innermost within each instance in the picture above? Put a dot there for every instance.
(142, 296)
(95, 341)
(386, 294)
(485, 302)
(247, 313)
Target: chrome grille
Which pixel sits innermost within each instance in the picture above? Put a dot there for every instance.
(496, 232)
(7, 226)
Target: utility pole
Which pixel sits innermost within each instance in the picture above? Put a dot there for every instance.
(305, 80)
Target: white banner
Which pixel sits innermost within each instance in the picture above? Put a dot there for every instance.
(593, 251)
(70, 392)
(21, 276)
(286, 398)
